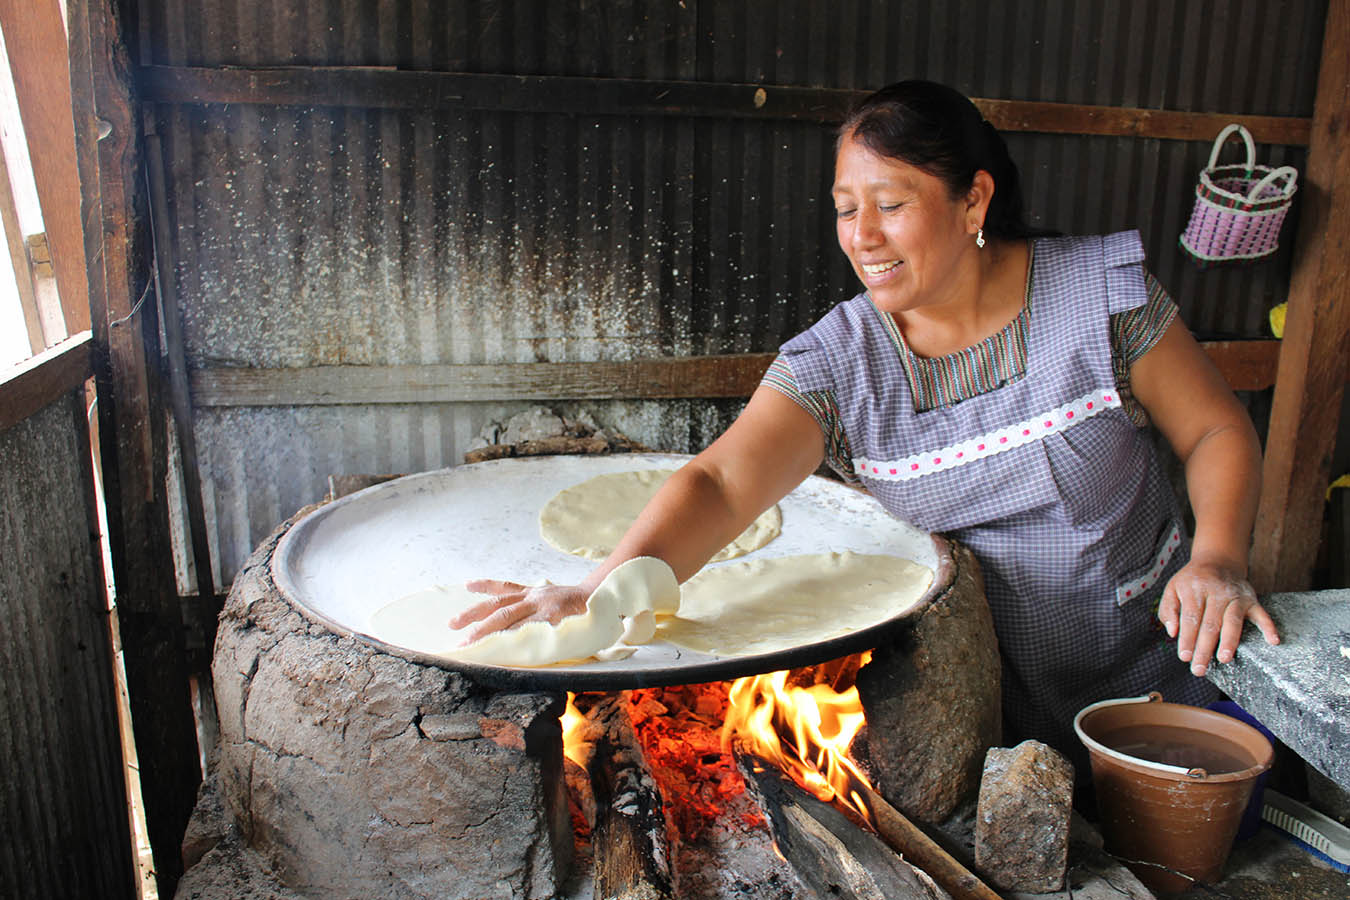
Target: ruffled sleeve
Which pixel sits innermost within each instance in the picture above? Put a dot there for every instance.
(1134, 332)
(783, 376)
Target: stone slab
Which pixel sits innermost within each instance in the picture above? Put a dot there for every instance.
(1299, 688)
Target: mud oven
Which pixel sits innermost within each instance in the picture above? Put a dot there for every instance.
(347, 768)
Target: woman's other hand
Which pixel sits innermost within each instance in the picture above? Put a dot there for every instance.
(513, 604)
(1205, 607)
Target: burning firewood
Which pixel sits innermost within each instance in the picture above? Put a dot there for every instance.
(631, 836)
(831, 854)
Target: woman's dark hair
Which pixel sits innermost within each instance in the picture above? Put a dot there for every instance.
(938, 130)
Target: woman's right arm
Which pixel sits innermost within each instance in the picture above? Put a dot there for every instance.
(771, 448)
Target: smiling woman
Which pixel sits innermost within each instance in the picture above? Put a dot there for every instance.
(991, 382)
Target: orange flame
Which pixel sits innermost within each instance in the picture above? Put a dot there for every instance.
(820, 724)
(572, 722)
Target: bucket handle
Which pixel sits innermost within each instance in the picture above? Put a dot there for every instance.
(1150, 697)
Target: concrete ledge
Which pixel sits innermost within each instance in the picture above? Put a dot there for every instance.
(1300, 688)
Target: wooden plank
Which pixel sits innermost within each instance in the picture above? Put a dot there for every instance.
(131, 431)
(35, 39)
(18, 257)
(179, 396)
(1165, 124)
(1311, 377)
(38, 382)
(1245, 365)
(708, 376)
(62, 789)
(1248, 366)
(377, 88)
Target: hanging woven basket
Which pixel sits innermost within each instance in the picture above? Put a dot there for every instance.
(1239, 208)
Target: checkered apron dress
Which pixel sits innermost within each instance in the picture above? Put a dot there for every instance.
(1046, 480)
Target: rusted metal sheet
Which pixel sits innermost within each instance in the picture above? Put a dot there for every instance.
(312, 236)
(62, 789)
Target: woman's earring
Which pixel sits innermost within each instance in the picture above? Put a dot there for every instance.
(979, 238)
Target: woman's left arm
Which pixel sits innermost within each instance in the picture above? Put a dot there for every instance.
(1205, 604)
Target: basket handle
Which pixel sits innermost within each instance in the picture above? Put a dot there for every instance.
(1223, 136)
(1289, 173)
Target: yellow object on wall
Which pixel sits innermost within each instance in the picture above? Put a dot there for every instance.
(1277, 319)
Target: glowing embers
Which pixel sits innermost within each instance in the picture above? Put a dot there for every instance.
(679, 729)
(805, 730)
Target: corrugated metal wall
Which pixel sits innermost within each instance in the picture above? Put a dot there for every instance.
(62, 788)
(325, 235)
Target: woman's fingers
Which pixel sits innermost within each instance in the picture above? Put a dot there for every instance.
(500, 620)
(510, 604)
(503, 594)
(1206, 613)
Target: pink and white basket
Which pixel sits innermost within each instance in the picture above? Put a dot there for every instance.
(1239, 208)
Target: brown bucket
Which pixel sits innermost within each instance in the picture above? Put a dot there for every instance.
(1172, 782)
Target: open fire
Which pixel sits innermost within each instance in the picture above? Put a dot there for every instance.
(687, 733)
(724, 758)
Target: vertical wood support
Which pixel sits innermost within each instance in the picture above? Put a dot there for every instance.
(35, 38)
(132, 428)
(1310, 380)
(18, 256)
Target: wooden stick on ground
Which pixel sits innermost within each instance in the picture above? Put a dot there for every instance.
(918, 848)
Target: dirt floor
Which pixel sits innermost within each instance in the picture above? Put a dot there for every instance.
(1268, 866)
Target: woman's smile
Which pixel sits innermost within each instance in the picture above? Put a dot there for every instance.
(899, 226)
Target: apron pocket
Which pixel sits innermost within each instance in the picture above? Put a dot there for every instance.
(1146, 576)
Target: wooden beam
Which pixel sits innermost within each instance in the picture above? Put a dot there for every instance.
(41, 381)
(386, 88)
(35, 40)
(1165, 124)
(131, 430)
(705, 376)
(18, 257)
(1248, 366)
(1311, 377)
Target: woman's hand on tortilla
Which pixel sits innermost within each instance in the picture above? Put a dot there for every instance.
(1205, 607)
(513, 604)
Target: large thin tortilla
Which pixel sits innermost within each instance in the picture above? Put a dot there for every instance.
(770, 604)
(589, 518)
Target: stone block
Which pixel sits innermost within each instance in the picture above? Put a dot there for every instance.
(1022, 819)
(933, 701)
(1300, 687)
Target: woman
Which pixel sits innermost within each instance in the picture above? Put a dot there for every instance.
(993, 385)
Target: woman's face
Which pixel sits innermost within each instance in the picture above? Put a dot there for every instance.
(900, 228)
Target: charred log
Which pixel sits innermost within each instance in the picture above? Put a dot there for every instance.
(631, 839)
(832, 854)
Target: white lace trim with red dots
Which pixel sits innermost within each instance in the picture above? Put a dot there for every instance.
(1007, 438)
(1131, 589)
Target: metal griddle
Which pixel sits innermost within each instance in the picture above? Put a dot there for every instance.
(351, 557)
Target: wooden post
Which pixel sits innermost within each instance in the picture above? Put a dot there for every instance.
(18, 255)
(35, 38)
(1310, 380)
(132, 429)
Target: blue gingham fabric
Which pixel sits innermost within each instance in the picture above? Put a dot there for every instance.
(1059, 495)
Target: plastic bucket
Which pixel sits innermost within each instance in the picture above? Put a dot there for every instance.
(1172, 782)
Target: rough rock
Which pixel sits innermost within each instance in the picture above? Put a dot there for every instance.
(1022, 819)
(231, 871)
(532, 425)
(1300, 687)
(933, 701)
(1092, 875)
(354, 773)
(208, 826)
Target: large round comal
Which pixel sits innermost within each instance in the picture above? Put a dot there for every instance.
(349, 559)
